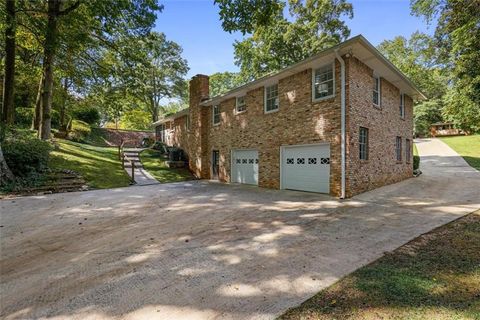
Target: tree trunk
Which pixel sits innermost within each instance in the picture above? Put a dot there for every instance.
(6, 175)
(48, 61)
(38, 107)
(63, 125)
(8, 108)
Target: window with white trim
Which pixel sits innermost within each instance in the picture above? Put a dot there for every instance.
(402, 105)
(323, 82)
(271, 98)
(398, 148)
(376, 91)
(363, 143)
(240, 104)
(216, 115)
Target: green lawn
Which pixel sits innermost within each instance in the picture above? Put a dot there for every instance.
(436, 276)
(466, 146)
(99, 166)
(154, 163)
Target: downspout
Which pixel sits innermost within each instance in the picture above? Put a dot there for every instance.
(342, 121)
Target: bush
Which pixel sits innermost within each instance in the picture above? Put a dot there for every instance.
(26, 155)
(90, 115)
(79, 131)
(416, 162)
(24, 117)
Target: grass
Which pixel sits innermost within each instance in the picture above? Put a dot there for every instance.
(99, 166)
(435, 276)
(466, 146)
(155, 164)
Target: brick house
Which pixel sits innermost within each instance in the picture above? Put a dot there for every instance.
(339, 122)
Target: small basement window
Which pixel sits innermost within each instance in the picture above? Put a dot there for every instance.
(363, 143)
(323, 82)
(271, 98)
(216, 115)
(376, 91)
(240, 105)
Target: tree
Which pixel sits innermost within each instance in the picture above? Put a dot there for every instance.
(159, 72)
(248, 15)
(8, 107)
(316, 25)
(457, 35)
(222, 82)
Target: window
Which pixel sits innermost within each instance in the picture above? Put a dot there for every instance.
(402, 105)
(187, 123)
(323, 82)
(160, 131)
(376, 91)
(408, 150)
(398, 148)
(216, 115)
(271, 98)
(363, 143)
(241, 106)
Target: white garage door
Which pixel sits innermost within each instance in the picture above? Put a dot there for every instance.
(306, 168)
(245, 166)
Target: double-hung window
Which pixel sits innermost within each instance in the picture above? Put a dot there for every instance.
(323, 82)
(363, 143)
(376, 91)
(240, 104)
(398, 148)
(402, 106)
(271, 98)
(408, 150)
(216, 115)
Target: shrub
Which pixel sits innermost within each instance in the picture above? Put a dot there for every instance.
(23, 117)
(89, 115)
(79, 131)
(25, 155)
(416, 162)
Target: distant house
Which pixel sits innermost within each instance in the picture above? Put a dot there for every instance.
(339, 122)
(440, 129)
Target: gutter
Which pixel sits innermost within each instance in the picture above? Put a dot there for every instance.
(342, 120)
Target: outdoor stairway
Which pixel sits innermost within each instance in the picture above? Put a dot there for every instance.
(63, 181)
(141, 176)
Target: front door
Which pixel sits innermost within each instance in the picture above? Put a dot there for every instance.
(215, 164)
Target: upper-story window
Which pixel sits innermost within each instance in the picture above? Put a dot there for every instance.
(376, 91)
(240, 104)
(402, 105)
(271, 98)
(216, 115)
(323, 82)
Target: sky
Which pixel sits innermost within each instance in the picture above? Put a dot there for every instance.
(195, 25)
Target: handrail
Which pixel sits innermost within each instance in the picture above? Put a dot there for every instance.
(123, 157)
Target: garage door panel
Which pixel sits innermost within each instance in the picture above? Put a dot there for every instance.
(306, 168)
(245, 166)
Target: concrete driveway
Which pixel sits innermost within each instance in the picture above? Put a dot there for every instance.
(202, 250)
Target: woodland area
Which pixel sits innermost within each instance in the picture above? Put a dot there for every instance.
(68, 65)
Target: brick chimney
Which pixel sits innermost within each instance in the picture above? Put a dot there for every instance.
(198, 138)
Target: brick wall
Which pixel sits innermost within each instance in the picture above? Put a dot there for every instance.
(384, 125)
(298, 121)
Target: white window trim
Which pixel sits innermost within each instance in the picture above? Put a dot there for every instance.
(265, 98)
(213, 115)
(379, 105)
(313, 82)
(402, 105)
(236, 105)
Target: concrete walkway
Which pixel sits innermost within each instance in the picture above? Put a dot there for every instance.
(200, 250)
(141, 176)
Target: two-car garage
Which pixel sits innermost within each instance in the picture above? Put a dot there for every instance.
(302, 167)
